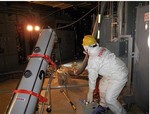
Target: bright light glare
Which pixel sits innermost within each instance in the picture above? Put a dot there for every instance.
(149, 41)
(99, 18)
(29, 27)
(37, 28)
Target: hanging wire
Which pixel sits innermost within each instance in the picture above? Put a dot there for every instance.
(76, 20)
(51, 14)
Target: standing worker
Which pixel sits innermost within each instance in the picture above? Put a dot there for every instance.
(101, 61)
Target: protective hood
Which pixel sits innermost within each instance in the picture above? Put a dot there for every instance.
(92, 50)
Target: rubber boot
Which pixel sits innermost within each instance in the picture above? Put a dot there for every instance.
(101, 110)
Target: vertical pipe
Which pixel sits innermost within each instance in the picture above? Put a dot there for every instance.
(48, 90)
(126, 20)
(95, 28)
(99, 20)
(112, 19)
(120, 8)
(130, 49)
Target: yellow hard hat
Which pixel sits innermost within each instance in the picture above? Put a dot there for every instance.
(88, 40)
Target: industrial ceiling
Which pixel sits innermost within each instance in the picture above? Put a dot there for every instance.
(66, 4)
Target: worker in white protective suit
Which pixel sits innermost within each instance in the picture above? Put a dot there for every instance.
(101, 61)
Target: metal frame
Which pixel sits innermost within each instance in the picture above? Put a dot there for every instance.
(129, 60)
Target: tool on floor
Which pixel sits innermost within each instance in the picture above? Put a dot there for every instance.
(73, 106)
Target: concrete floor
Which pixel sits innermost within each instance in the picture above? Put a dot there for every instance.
(59, 103)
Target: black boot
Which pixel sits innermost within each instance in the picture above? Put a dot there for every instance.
(101, 110)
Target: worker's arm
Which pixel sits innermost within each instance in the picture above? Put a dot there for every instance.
(92, 83)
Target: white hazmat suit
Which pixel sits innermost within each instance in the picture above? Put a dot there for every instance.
(114, 71)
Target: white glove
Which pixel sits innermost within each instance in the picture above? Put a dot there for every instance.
(90, 96)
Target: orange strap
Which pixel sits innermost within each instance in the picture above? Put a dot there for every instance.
(41, 98)
(46, 57)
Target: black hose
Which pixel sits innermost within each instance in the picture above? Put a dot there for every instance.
(81, 69)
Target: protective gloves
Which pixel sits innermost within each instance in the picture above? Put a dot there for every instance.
(90, 96)
(75, 71)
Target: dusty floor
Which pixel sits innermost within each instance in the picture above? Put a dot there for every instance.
(77, 90)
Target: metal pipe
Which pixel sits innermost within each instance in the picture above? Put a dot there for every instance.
(126, 19)
(120, 9)
(68, 86)
(54, 87)
(48, 89)
(129, 39)
(25, 98)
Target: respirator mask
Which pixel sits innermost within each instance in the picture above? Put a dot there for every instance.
(88, 49)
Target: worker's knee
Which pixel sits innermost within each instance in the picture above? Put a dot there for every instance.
(109, 100)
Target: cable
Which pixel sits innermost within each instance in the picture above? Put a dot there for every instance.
(76, 20)
(51, 14)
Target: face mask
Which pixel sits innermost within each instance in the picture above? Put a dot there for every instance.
(90, 49)
(86, 48)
